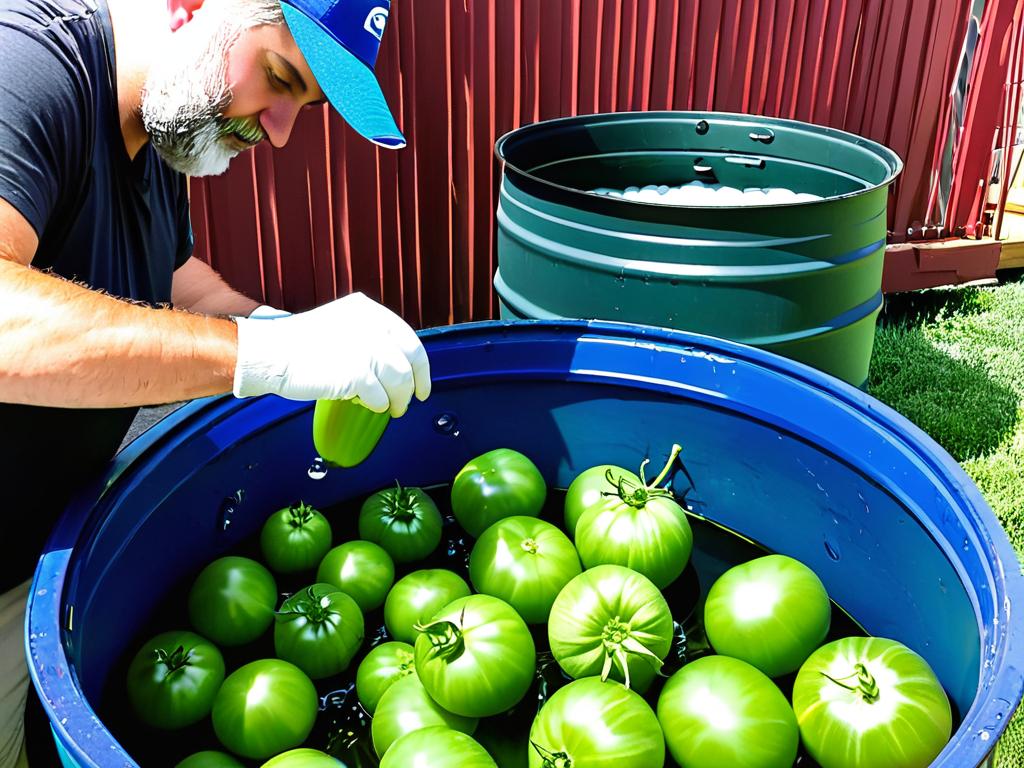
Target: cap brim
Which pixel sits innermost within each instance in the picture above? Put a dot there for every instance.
(348, 84)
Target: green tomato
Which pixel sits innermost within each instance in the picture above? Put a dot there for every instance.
(345, 432)
(417, 597)
(612, 622)
(588, 490)
(209, 759)
(476, 658)
(173, 678)
(870, 701)
(319, 630)
(525, 562)
(406, 707)
(404, 521)
(639, 526)
(719, 711)
(232, 601)
(771, 612)
(303, 758)
(264, 708)
(437, 747)
(360, 569)
(495, 485)
(295, 539)
(590, 724)
(382, 667)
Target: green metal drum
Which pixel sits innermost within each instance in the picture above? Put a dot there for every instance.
(800, 279)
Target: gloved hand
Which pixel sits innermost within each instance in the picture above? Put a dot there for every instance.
(352, 347)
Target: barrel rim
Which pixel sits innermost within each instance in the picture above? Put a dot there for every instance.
(58, 682)
(579, 198)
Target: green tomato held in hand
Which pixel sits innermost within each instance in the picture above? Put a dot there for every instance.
(771, 612)
(871, 701)
(173, 679)
(232, 601)
(295, 539)
(718, 711)
(498, 484)
(360, 569)
(404, 521)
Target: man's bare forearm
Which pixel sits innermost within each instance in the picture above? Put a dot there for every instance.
(198, 288)
(64, 345)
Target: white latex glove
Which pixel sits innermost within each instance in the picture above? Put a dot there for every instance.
(352, 347)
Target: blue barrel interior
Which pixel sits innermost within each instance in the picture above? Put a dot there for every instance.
(790, 457)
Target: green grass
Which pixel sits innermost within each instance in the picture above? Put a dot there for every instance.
(952, 361)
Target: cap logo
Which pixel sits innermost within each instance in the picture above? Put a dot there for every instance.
(376, 21)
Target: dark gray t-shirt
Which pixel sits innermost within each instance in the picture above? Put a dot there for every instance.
(103, 219)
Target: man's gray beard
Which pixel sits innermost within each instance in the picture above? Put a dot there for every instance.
(182, 103)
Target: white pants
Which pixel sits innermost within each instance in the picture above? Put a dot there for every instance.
(13, 677)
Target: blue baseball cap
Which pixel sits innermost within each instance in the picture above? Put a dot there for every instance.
(340, 40)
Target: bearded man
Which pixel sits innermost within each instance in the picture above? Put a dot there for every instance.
(105, 107)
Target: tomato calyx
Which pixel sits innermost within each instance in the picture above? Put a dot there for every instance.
(635, 495)
(618, 640)
(551, 759)
(177, 659)
(406, 662)
(865, 686)
(399, 504)
(300, 516)
(313, 608)
(529, 545)
(445, 637)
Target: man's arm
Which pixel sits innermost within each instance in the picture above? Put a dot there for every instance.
(198, 288)
(67, 346)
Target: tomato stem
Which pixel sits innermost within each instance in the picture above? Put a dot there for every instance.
(866, 685)
(551, 759)
(400, 503)
(445, 637)
(315, 609)
(676, 450)
(175, 660)
(619, 642)
(635, 495)
(300, 515)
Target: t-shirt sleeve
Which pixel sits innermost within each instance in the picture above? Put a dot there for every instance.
(41, 142)
(186, 239)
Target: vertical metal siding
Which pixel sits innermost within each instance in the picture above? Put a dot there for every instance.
(329, 213)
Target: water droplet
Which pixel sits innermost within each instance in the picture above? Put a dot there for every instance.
(228, 508)
(967, 545)
(318, 469)
(832, 550)
(446, 423)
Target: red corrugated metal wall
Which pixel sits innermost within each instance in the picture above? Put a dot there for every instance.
(330, 213)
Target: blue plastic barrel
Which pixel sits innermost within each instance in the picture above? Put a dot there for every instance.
(792, 458)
